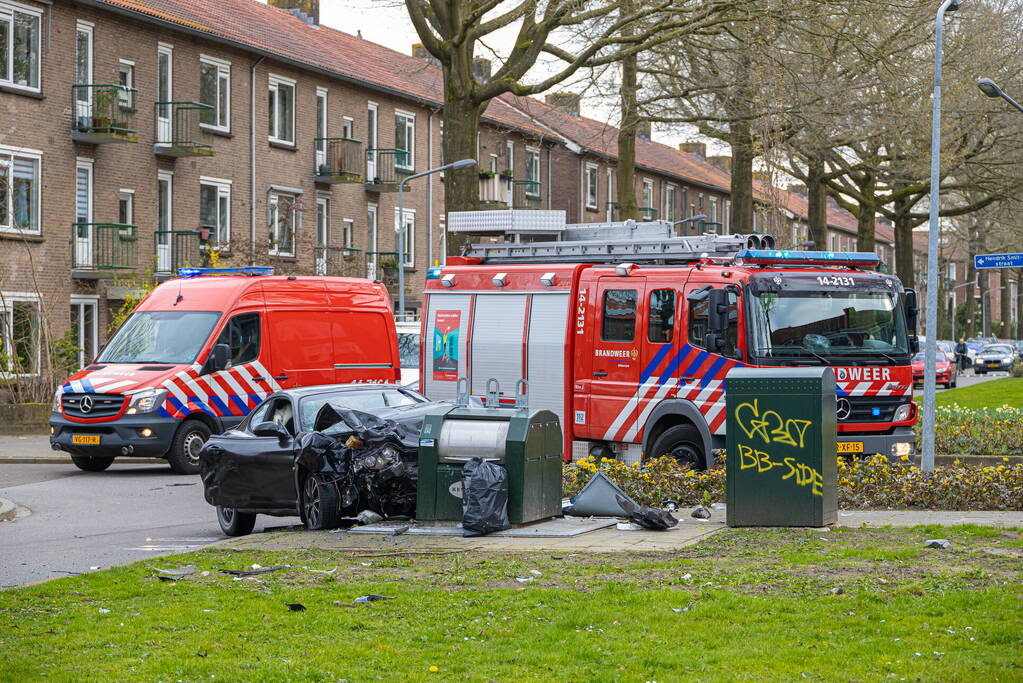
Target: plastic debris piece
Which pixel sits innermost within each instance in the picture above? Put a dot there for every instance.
(104, 610)
(629, 526)
(251, 572)
(295, 606)
(398, 531)
(599, 498)
(324, 571)
(525, 579)
(670, 505)
(174, 573)
(368, 517)
(940, 543)
(372, 597)
(700, 512)
(647, 517)
(535, 572)
(94, 568)
(484, 498)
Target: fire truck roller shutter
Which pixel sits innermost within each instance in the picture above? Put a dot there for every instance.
(545, 354)
(445, 336)
(498, 328)
(671, 412)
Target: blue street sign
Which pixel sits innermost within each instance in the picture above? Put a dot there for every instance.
(998, 261)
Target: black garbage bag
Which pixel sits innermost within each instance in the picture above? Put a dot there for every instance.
(484, 498)
(647, 517)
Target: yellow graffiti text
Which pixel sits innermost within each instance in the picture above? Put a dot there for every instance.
(800, 473)
(769, 426)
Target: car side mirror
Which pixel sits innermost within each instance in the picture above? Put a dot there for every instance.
(218, 358)
(271, 429)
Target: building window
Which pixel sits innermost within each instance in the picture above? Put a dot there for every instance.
(164, 92)
(126, 78)
(409, 244)
(19, 46)
(126, 207)
(610, 196)
(405, 140)
(285, 220)
(348, 128)
(648, 194)
(164, 220)
(215, 90)
(321, 129)
(347, 233)
(84, 328)
(591, 186)
(371, 241)
(670, 192)
(714, 211)
(533, 172)
(619, 320)
(371, 141)
(19, 333)
(282, 110)
(215, 209)
(19, 190)
(834, 242)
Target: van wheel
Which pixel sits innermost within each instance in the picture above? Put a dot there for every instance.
(320, 504)
(683, 443)
(235, 523)
(183, 456)
(92, 464)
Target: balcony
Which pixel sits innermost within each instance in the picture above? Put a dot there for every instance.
(103, 113)
(178, 133)
(385, 168)
(525, 194)
(97, 248)
(493, 192)
(177, 249)
(383, 266)
(340, 262)
(338, 160)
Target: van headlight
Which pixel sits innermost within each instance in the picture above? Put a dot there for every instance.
(56, 399)
(902, 412)
(146, 401)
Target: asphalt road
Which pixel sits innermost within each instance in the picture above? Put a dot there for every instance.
(79, 520)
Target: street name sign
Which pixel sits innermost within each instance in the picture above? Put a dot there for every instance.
(998, 261)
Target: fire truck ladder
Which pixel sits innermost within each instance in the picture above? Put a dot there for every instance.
(620, 242)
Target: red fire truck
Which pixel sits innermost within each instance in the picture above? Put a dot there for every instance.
(627, 333)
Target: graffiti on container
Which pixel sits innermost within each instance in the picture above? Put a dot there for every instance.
(800, 473)
(769, 426)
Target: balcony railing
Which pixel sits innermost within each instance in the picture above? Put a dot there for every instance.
(383, 266)
(493, 193)
(338, 160)
(178, 133)
(104, 246)
(340, 262)
(525, 194)
(710, 226)
(647, 213)
(385, 168)
(177, 249)
(103, 113)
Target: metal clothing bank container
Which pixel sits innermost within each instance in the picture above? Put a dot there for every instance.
(781, 435)
(528, 444)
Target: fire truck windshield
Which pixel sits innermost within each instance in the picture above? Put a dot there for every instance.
(820, 324)
(160, 337)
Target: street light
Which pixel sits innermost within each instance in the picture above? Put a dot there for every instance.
(955, 305)
(991, 89)
(931, 343)
(454, 165)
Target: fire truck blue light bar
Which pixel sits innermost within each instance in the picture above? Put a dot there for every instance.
(247, 270)
(433, 272)
(808, 258)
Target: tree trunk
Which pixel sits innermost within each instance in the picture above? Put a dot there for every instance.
(625, 173)
(904, 249)
(461, 187)
(741, 139)
(817, 201)
(867, 217)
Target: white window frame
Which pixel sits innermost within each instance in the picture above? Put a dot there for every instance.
(7, 12)
(714, 210)
(348, 233)
(590, 178)
(648, 194)
(7, 301)
(372, 136)
(7, 155)
(164, 123)
(81, 301)
(223, 188)
(534, 154)
(608, 209)
(410, 134)
(275, 197)
(129, 195)
(125, 100)
(223, 80)
(275, 83)
(348, 127)
(670, 200)
(409, 248)
(322, 118)
(372, 239)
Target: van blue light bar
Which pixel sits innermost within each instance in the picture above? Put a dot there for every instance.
(247, 270)
(783, 257)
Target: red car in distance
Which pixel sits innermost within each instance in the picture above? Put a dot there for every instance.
(946, 372)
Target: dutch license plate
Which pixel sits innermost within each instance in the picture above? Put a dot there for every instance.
(993, 364)
(85, 439)
(850, 446)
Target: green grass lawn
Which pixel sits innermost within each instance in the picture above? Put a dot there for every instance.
(762, 603)
(993, 394)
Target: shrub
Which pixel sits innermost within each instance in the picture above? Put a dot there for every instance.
(982, 431)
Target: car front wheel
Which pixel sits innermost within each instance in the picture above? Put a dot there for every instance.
(320, 504)
(235, 523)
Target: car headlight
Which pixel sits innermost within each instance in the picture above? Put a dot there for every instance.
(902, 412)
(146, 401)
(56, 399)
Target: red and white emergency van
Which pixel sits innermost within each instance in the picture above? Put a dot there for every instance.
(202, 350)
(629, 340)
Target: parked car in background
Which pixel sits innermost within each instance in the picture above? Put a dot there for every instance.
(946, 372)
(410, 349)
(1018, 347)
(994, 358)
(252, 468)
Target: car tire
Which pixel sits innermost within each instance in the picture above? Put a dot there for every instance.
(234, 523)
(92, 463)
(683, 443)
(183, 456)
(320, 504)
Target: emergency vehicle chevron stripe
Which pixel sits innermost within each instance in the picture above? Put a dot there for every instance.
(231, 392)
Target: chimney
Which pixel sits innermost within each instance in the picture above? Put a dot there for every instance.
(567, 102)
(798, 188)
(722, 161)
(643, 130)
(422, 54)
(697, 148)
(480, 69)
(306, 10)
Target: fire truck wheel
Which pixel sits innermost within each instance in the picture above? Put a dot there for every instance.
(183, 456)
(90, 463)
(683, 443)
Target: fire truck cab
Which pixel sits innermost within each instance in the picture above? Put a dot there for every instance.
(629, 341)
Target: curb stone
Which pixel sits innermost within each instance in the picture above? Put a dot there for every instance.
(66, 460)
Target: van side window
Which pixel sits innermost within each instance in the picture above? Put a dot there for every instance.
(698, 324)
(619, 320)
(661, 316)
(242, 334)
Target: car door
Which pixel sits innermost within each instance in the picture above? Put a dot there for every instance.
(255, 472)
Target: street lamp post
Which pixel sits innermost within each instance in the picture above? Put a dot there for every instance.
(691, 219)
(991, 89)
(931, 343)
(400, 230)
(955, 306)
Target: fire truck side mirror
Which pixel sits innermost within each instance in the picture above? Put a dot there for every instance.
(714, 342)
(717, 312)
(911, 311)
(914, 344)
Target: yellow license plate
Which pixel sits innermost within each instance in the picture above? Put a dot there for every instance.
(85, 439)
(850, 446)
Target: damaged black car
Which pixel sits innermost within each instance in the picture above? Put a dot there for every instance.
(323, 453)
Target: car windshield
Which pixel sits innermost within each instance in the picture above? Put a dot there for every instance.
(383, 397)
(160, 337)
(818, 324)
(408, 347)
(997, 348)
